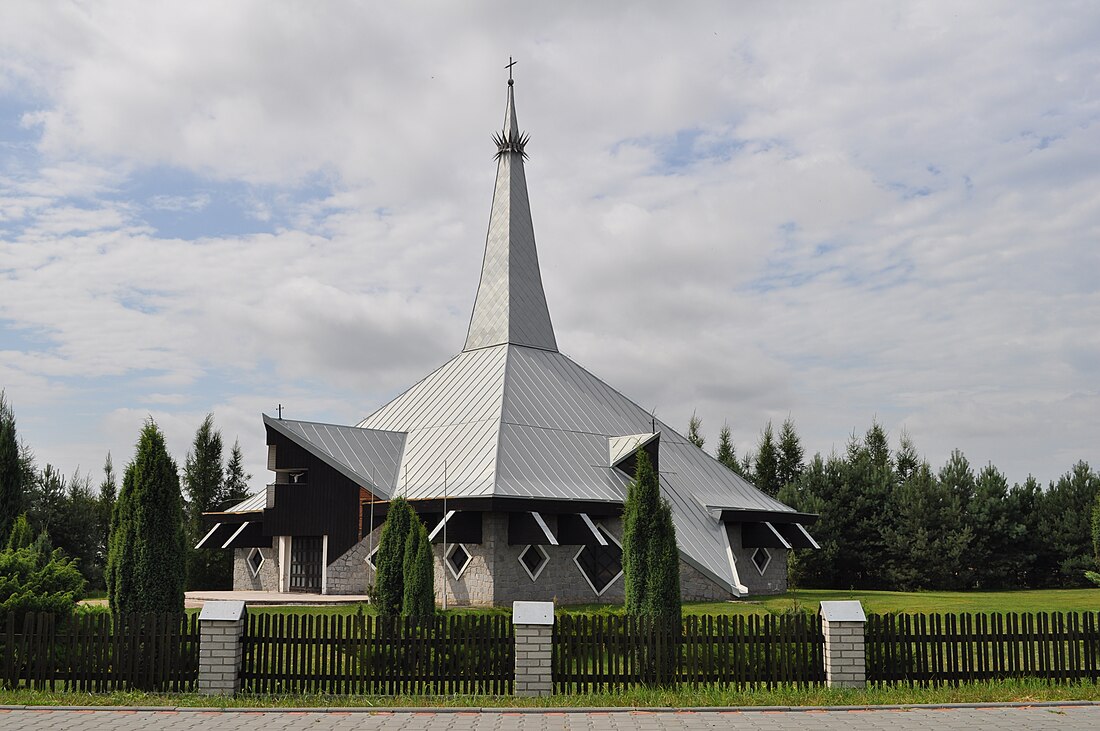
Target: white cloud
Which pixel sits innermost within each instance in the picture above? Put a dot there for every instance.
(846, 211)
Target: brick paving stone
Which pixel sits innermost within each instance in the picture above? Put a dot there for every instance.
(1060, 718)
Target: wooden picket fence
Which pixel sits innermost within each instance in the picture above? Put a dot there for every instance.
(611, 652)
(360, 654)
(943, 649)
(98, 653)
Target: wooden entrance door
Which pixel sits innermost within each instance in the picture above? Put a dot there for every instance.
(305, 563)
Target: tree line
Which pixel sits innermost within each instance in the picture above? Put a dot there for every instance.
(76, 520)
(889, 520)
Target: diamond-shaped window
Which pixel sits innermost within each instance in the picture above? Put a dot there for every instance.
(458, 558)
(601, 566)
(761, 558)
(534, 560)
(255, 561)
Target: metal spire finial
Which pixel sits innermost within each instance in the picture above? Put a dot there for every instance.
(511, 63)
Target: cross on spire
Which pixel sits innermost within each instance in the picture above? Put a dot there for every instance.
(511, 63)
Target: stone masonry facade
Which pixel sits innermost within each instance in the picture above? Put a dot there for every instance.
(266, 580)
(495, 576)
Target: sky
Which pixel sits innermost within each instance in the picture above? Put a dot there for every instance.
(834, 212)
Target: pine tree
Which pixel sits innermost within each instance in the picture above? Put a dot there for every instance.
(789, 464)
(235, 488)
(146, 561)
(906, 458)
(388, 593)
(766, 474)
(1065, 517)
(419, 573)
(108, 495)
(694, 435)
(12, 469)
(203, 479)
(727, 453)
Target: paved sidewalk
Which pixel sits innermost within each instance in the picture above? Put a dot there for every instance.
(1061, 718)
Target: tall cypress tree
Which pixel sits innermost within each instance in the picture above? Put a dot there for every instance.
(12, 473)
(146, 561)
(108, 496)
(651, 558)
(388, 593)
(419, 595)
(642, 495)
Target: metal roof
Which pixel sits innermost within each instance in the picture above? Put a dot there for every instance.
(510, 416)
(368, 457)
(511, 305)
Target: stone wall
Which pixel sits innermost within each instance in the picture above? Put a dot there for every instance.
(266, 580)
(495, 575)
(350, 573)
(774, 579)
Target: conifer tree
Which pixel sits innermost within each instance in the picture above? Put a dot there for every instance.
(695, 436)
(388, 593)
(766, 473)
(906, 458)
(789, 464)
(727, 453)
(21, 535)
(12, 469)
(146, 560)
(651, 558)
(235, 488)
(203, 479)
(419, 574)
(108, 495)
(642, 495)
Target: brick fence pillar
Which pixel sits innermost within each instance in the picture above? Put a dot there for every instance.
(534, 627)
(842, 623)
(221, 625)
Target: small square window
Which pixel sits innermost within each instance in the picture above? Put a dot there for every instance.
(761, 557)
(372, 557)
(255, 561)
(534, 560)
(458, 558)
(601, 566)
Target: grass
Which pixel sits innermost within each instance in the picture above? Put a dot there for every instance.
(878, 602)
(1019, 691)
(881, 602)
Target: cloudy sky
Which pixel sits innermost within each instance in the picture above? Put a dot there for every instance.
(833, 211)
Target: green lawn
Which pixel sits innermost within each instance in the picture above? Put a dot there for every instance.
(1063, 600)
(879, 602)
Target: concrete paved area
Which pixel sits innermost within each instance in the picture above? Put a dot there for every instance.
(196, 598)
(1062, 718)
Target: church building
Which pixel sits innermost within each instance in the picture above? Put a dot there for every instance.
(515, 457)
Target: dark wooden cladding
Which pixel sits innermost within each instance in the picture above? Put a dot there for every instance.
(758, 535)
(324, 502)
(524, 530)
(947, 649)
